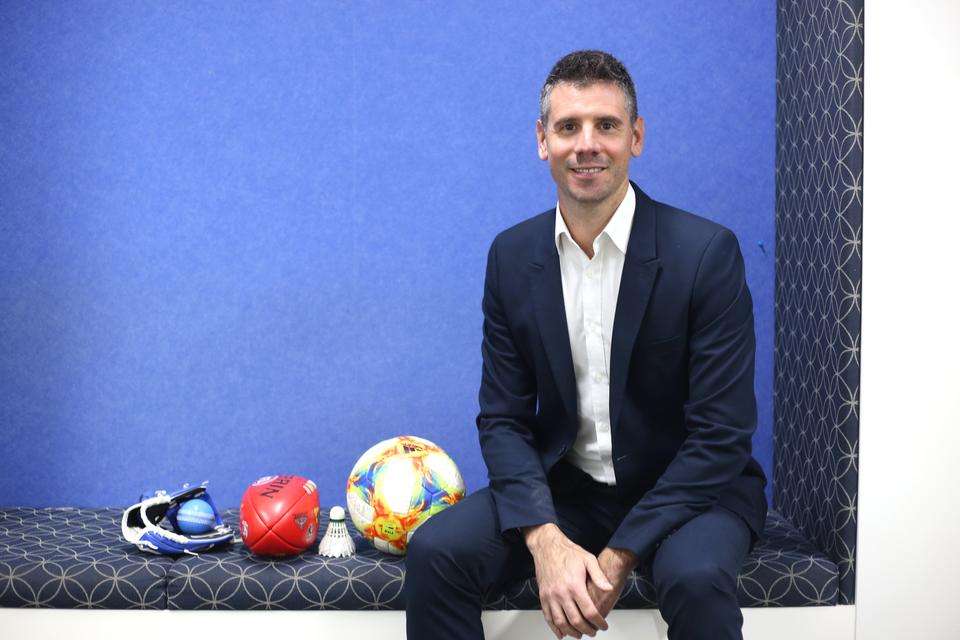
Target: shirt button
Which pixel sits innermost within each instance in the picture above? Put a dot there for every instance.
(603, 426)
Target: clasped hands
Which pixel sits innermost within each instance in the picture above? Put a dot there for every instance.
(577, 589)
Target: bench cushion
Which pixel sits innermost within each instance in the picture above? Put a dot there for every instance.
(75, 559)
(87, 564)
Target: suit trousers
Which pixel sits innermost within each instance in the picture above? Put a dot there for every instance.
(458, 557)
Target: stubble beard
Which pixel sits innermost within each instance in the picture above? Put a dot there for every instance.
(591, 198)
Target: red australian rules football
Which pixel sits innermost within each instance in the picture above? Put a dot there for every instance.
(279, 515)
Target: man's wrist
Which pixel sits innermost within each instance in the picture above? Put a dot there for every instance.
(620, 559)
(533, 534)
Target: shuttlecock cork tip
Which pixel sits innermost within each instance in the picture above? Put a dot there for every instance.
(336, 513)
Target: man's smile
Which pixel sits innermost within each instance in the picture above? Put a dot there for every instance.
(583, 171)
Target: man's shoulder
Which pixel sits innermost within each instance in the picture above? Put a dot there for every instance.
(675, 225)
(524, 235)
(675, 228)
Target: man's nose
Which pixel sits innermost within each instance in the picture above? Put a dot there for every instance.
(587, 141)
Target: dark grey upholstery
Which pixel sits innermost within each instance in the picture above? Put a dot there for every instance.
(819, 215)
(76, 558)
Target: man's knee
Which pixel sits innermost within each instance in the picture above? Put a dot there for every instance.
(436, 545)
(425, 564)
(425, 544)
(444, 555)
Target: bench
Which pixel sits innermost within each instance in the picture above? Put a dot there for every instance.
(76, 558)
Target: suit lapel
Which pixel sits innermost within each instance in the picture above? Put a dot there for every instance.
(546, 288)
(640, 269)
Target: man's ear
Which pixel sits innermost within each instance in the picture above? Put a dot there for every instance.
(541, 141)
(636, 147)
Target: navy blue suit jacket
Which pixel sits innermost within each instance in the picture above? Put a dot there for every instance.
(682, 403)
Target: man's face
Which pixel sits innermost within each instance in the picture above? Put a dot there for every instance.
(589, 140)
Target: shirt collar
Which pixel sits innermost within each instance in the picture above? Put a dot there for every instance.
(617, 229)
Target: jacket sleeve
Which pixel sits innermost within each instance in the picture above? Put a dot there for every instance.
(508, 403)
(720, 415)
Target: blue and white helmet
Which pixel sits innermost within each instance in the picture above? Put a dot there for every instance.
(141, 524)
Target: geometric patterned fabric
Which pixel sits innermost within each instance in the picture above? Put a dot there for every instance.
(819, 237)
(77, 558)
(233, 578)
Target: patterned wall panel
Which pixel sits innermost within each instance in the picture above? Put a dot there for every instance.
(819, 214)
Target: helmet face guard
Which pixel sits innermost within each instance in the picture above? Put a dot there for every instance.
(141, 524)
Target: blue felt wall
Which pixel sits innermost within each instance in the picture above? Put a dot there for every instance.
(241, 239)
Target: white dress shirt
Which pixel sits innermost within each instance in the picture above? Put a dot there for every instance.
(590, 289)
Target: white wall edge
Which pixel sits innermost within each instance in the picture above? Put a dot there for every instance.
(787, 623)
(908, 571)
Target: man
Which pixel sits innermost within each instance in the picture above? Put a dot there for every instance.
(616, 401)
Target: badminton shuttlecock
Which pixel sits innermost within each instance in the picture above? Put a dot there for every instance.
(337, 542)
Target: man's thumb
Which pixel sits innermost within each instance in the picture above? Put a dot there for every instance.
(597, 575)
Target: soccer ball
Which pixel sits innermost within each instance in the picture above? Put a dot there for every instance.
(396, 485)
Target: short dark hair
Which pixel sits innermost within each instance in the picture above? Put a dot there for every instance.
(583, 68)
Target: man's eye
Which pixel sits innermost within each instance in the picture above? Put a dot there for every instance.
(607, 126)
(567, 126)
